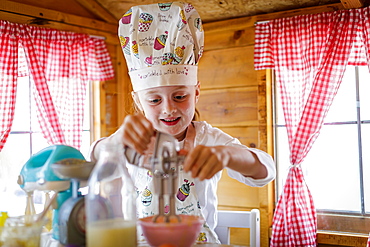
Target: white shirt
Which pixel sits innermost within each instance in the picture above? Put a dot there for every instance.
(206, 189)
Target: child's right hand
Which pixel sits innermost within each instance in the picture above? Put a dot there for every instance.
(135, 132)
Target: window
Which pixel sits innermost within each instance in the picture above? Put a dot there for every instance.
(337, 169)
(26, 139)
(61, 64)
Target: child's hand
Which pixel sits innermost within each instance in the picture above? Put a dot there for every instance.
(204, 162)
(135, 132)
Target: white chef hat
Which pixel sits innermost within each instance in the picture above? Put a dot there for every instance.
(162, 44)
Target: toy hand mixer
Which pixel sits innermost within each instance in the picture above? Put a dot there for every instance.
(164, 164)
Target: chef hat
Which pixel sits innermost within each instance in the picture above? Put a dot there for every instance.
(162, 44)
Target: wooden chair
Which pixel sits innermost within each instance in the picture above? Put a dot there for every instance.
(239, 219)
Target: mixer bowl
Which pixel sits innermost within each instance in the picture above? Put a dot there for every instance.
(73, 168)
(174, 233)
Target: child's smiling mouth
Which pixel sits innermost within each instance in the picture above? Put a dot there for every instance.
(170, 121)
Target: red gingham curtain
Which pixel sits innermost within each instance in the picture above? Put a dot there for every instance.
(59, 64)
(309, 55)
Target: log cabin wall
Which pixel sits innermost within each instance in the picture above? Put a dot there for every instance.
(234, 97)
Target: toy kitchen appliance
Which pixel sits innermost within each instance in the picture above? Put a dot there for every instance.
(41, 173)
(72, 217)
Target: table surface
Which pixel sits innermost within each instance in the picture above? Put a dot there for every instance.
(48, 241)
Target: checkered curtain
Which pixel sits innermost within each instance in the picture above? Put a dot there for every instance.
(60, 64)
(309, 55)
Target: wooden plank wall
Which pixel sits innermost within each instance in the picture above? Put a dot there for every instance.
(228, 78)
(231, 99)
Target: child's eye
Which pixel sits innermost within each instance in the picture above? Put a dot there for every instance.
(154, 101)
(180, 97)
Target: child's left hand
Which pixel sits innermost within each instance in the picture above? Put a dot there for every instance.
(204, 162)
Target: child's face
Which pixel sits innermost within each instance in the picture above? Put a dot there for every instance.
(169, 108)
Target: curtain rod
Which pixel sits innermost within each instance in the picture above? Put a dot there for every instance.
(98, 37)
(260, 22)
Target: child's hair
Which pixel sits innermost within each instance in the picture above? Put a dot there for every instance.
(196, 116)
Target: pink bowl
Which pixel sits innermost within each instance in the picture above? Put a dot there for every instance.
(179, 234)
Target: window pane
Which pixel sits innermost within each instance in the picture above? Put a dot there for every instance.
(365, 116)
(38, 142)
(282, 157)
(366, 164)
(86, 141)
(343, 107)
(332, 170)
(87, 110)
(11, 163)
(364, 92)
(279, 117)
(35, 126)
(21, 120)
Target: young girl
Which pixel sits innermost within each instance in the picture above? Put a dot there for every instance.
(162, 44)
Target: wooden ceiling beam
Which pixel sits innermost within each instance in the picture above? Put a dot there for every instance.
(352, 4)
(41, 14)
(98, 10)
